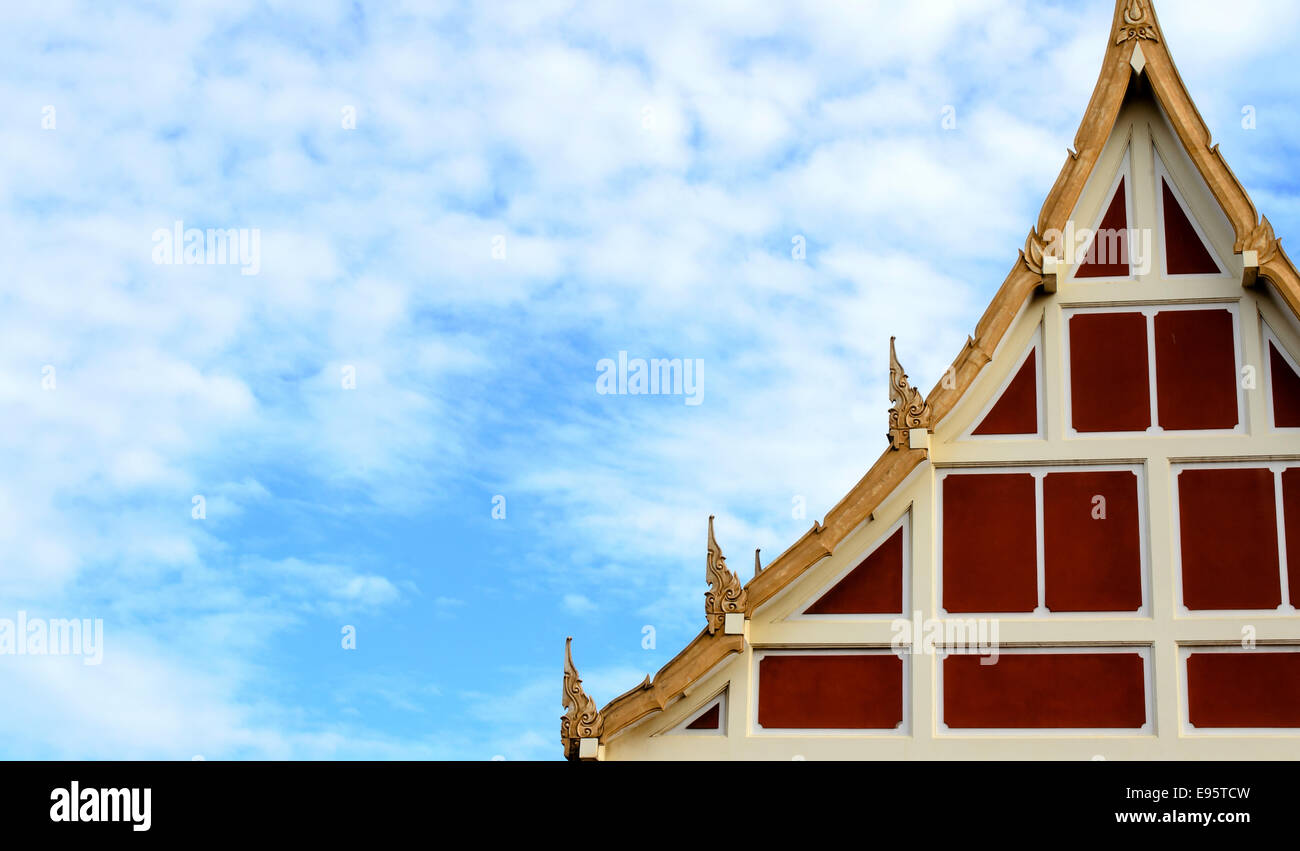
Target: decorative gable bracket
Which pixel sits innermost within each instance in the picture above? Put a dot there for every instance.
(909, 412)
(1260, 249)
(726, 603)
(1036, 256)
(582, 723)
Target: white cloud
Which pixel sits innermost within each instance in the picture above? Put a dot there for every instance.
(476, 375)
(578, 604)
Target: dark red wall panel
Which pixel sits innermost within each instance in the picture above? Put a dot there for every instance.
(1228, 534)
(1093, 564)
(873, 587)
(830, 692)
(990, 543)
(1185, 254)
(1243, 689)
(1109, 381)
(1286, 390)
(1196, 369)
(710, 720)
(1045, 690)
(1116, 218)
(1016, 411)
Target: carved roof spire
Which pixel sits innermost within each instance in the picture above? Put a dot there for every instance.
(758, 565)
(908, 408)
(725, 595)
(581, 720)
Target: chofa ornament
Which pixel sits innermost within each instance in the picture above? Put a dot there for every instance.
(581, 720)
(908, 409)
(725, 595)
(1263, 241)
(1034, 252)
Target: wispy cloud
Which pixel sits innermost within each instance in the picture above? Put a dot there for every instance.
(528, 188)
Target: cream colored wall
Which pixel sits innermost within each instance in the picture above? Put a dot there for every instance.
(776, 624)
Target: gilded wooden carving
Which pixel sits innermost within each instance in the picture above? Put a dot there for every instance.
(908, 409)
(581, 720)
(725, 595)
(1136, 25)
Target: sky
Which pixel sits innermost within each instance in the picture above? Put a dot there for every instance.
(387, 430)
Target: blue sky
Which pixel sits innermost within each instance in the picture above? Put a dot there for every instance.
(648, 169)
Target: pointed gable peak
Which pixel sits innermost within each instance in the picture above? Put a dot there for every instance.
(1135, 21)
(1138, 55)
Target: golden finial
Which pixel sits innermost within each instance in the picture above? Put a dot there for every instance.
(581, 720)
(908, 408)
(725, 595)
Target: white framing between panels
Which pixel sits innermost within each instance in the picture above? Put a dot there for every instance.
(1149, 311)
(1039, 471)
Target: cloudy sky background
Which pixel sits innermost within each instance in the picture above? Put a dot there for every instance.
(648, 168)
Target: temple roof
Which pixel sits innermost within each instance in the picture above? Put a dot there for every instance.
(1136, 50)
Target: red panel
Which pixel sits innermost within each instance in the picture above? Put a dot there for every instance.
(1016, 411)
(1095, 265)
(873, 587)
(1196, 370)
(1093, 562)
(1243, 689)
(1108, 372)
(1045, 690)
(1185, 254)
(825, 692)
(1291, 515)
(1229, 539)
(1286, 390)
(711, 720)
(990, 543)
